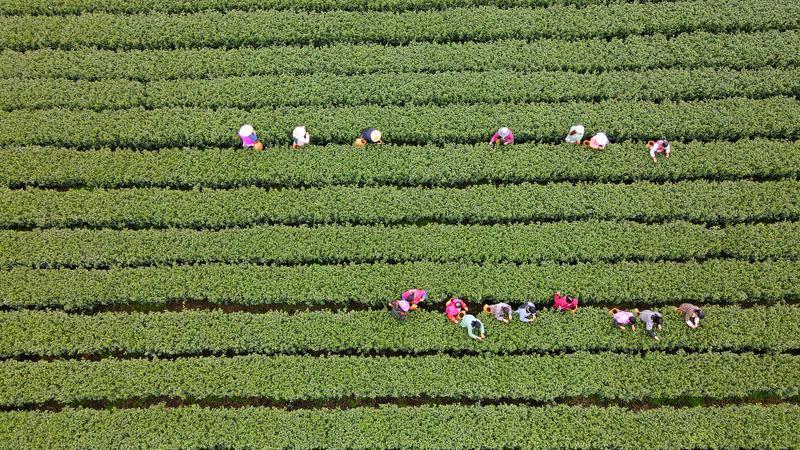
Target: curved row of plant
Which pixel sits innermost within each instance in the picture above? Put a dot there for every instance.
(608, 376)
(400, 89)
(752, 50)
(451, 165)
(26, 333)
(445, 426)
(63, 7)
(568, 242)
(246, 28)
(662, 283)
(697, 201)
(726, 119)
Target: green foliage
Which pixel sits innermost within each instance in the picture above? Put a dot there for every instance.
(51, 333)
(726, 119)
(247, 28)
(449, 426)
(609, 376)
(400, 89)
(701, 201)
(589, 241)
(60, 7)
(727, 281)
(739, 51)
(452, 165)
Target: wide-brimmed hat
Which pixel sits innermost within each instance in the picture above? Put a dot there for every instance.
(375, 135)
(246, 130)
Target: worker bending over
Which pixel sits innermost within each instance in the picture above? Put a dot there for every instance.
(527, 312)
(369, 136)
(453, 307)
(658, 147)
(399, 309)
(474, 326)
(500, 311)
(622, 318)
(598, 142)
(414, 297)
(575, 134)
(691, 314)
(564, 303)
(504, 135)
(300, 137)
(652, 320)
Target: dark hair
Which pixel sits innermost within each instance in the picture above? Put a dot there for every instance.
(657, 319)
(475, 325)
(632, 320)
(665, 143)
(506, 310)
(530, 308)
(700, 313)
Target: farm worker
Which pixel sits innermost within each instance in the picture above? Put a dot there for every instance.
(651, 319)
(300, 137)
(622, 318)
(248, 136)
(659, 146)
(453, 307)
(505, 134)
(399, 309)
(474, 326)
(527, 312)
(499, 311)
(598, 142)
(368, 136)
(691, 314)
(564, 303)
(414, 297)
(575, 134)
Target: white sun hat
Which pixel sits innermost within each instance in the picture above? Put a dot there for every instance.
(601, 139)
(375, 136)
(299, 133)
(504, 131)
(246, 130)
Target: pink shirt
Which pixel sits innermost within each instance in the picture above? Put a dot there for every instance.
(414, 296)
(659, 147)
(451, 309)
(561, 301)
(509, 139)
(623, 317)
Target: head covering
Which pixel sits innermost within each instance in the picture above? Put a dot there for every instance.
(578, 129)
(299, 133)
(504, 131)
(246, 130)
(601, 139)
(403, 305)
(375, 136)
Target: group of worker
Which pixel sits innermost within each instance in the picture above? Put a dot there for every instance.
(456, 310)
(503, 136)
